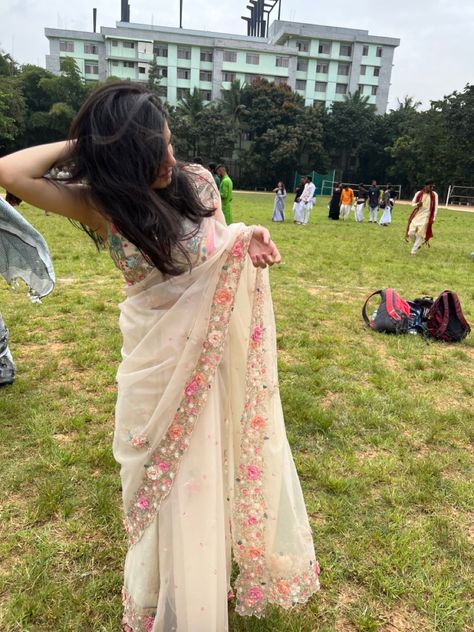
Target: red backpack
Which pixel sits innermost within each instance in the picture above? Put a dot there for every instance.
(445, 320)
(392, 315)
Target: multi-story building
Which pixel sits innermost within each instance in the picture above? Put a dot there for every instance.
(321, 63)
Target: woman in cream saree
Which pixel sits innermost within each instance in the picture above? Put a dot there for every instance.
(207, 471)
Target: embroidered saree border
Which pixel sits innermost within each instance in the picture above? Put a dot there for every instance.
(256, 585)
(163, 465)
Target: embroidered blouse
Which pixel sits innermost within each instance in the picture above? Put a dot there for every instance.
(199, 245)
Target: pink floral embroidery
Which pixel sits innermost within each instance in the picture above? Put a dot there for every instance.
(255, 594)
(165, 460)
(139, 441)
(175, 432)
(253, 472)
(238, 250)
(223, 296)
(257, 422)
(137, 619)
(257, 334)
(282, 579)
(143, 503)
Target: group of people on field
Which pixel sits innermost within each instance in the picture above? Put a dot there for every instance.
(376, 198)
(344, 199)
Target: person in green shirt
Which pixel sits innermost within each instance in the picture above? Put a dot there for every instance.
(225, 189)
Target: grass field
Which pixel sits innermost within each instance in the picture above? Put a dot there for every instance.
(382, 430)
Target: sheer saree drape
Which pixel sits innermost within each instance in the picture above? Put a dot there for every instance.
(206, 469)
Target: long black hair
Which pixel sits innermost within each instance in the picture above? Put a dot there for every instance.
(118, 150)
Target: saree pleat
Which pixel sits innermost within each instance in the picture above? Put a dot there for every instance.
(206, 469)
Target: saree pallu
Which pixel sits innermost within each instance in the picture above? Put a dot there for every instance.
(207, 472)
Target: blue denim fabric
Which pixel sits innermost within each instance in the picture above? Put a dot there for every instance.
(24, 253)
(7, 366)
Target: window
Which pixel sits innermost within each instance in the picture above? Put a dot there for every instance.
(360, 88)
(365, 51)
(379, 51)
(302, 64)
(302, 46)
(206, 55)
(91, 68)
(282, 62)
(341, 88)
(128, 44)
(374, 91)
(280, 81)
(345, 50)
(206, 95)
(253, 59)
(205, 75)
(343, 69)
(363, 70)
(163, 70)
(115, 63)
(228, 76)
(251, 78)
(184, 53)
(182, 93)
(114, 43)
(128, 64)
(300, 84)
(141, 70)
(319, 103)
(160, 51)
(320, 86)
(322, 68)
(145, 48)
(376, 72)
(90, 49)
(230, 55)
(324, 48)
(183, 73)
(66, 47)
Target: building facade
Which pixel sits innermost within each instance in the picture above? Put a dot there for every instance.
(321, 63)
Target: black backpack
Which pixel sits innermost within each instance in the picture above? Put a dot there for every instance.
(445, 320)
(392, 315)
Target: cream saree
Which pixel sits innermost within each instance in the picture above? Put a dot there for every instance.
(206, 468)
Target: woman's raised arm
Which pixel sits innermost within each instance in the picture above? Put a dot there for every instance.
(22, 173)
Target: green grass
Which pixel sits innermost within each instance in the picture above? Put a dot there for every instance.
(381, 427)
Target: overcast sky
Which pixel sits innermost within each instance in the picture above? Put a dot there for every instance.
(435, 56)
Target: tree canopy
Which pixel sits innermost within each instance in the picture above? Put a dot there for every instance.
(264, 131)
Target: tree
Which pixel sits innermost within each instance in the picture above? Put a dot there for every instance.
(349, 128)
(154, 76)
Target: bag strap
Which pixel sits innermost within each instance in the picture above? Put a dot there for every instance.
(458, 309)
(364, 309)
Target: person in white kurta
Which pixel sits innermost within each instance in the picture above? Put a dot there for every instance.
(307, 198)
(425, 205)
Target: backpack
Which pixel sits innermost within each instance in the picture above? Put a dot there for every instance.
(445, 320)
(392, 315)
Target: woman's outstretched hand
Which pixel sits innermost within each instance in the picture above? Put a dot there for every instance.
(262, 251)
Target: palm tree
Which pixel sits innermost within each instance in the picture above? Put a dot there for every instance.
(232, 103)
(408, 103)
(191, 107)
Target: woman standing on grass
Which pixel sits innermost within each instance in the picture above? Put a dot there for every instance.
(335, 203)
(279, 204)
(206, 469)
